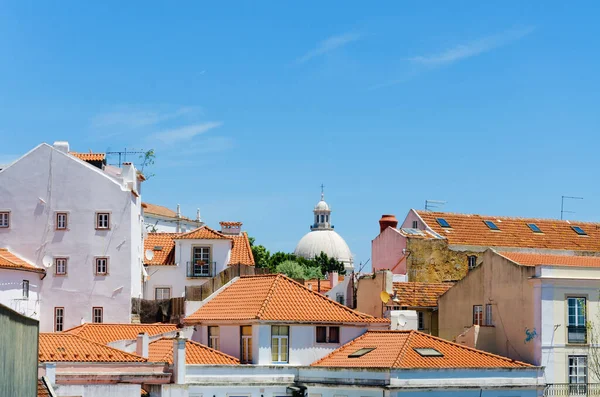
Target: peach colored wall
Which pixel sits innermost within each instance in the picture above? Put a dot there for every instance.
(368, 292)
(386, 251)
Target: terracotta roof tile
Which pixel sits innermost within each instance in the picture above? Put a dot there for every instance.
(203, 233)
(42, 389)
(526, 259)
(414, 294)
(276, 297)
(163, 247)
(159, 210)
(241, 252)
(105, 333)
(72, 348)
(313, 285)
(195, 353)
(469, 229)
(8, 260)
(225, 223)
(395, 349)
(89, 156)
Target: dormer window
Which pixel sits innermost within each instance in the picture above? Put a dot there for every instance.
(491, 225)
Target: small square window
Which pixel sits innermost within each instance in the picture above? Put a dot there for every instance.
(4, 219)
(102, 220)
(415, 224)
(60, 266)
(472, 261)
(161, 293)
(328, 334)
(97, 314)
(61, 221)
(25, 289)
(101, 266)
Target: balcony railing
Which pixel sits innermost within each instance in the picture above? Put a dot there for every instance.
(201, 269)
(577, 334)
(572, 389)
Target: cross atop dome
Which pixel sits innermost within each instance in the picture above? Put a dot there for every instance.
(322, 213)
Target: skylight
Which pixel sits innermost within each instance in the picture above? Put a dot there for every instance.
(428, 352)
(534, 228)
(442, 222)
(158, 248)
(361, 352)
(491, 225)
(579, 230)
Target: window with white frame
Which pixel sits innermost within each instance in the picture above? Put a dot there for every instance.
(162, 293)
(97, 314)
(60, 266)
(279, 343)
(477, 315)
(576, 328)
(102, 220)
(4, 219)
(415, 224)
(577, 370)
(420, 321)
(61, 221)
(246, 344)
(488, 314)
(59, 316)
(101, 266)
(213, 337)
(201, 261)
(25, 289)
(328, 334)
(472, 261)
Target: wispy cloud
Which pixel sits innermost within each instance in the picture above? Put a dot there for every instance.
(137, 118)
(185, 133)
(472, 48)
(330, 44)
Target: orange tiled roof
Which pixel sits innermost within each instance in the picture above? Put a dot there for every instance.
(89, 156)
(8, 260)
(241, 252)
(526, 259)
(105, 333)
(394, 349)
(164, 256)
(469, 229)
(159, 210)
(225, 223)
(67, 347)
(42, 389)
(162, 351)
(204, 233)
(413, 294)
(275, 297)
(313, 285)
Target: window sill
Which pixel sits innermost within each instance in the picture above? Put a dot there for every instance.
(60, 275)
(572, 344)
(103, 228)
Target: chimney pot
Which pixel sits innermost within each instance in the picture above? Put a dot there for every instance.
(141, 347)
(62, 146)
(387, 221)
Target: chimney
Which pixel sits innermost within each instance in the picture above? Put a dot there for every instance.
(141, 346)
(333, 279)
(198, 219)
(61, 146)
(51, 372)
(387, 221)
(179, 360)
(231, 228)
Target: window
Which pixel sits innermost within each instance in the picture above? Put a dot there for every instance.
(491, 225)
(328, 334)
(61, 221)
(25, 289)
(534, 228)
(4, 219)
(201, 262)
(442, 222)
(576, 329)
(59, 316)
(577, 375)
(420, 322)
(488, 314)
(428, 352)
(361, 352)
(102, 220)
(102, 266)
(579, 230)
(472, 261)
(213, 337)
(279, 343)
(415, 224)
(477, 315)
(97, 314)
(161, 293)
(246, 342)
(60, 266)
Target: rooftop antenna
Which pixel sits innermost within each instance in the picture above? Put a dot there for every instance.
(123, 155)
(361, 266)
(562, 205)
(429, 204)
(322, 192)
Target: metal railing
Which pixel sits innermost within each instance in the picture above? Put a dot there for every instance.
(572, 389)
(201, 269)
(576, 334)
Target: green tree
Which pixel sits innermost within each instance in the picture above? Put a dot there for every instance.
(327, 264)
(278, 257)
(147, 158)
(312, 273)
(260, 253)
(291, 269)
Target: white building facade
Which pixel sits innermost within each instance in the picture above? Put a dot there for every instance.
(83, 225)
(20, 284)
(159, 219)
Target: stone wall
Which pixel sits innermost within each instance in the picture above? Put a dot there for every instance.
(431, 260)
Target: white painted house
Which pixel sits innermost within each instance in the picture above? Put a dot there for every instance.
(159, 219)
(82, 223)
(20, 284)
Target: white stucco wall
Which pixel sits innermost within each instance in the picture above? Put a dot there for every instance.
(119, 390)
(164, 276)
(11, 292)
(168, 225)
(45, 181)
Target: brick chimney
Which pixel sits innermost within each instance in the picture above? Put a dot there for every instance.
(333, 279)
(387, 221)
(231, 228)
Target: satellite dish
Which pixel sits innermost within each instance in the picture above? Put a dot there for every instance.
(385, 297)
(47, 261)
(149, 254)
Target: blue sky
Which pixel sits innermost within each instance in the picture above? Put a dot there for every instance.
(250, 106)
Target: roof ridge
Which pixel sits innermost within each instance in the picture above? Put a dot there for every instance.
(207, 228)
(247, 241)
(212, 350)
(267, 300)
(404, 348)
(567, 221)
(62, 334)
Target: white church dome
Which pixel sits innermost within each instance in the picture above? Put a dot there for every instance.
(322, 206)
(327, 241)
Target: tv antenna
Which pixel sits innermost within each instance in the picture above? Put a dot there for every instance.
(429, 204)
(562, 205)
(123, 155)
